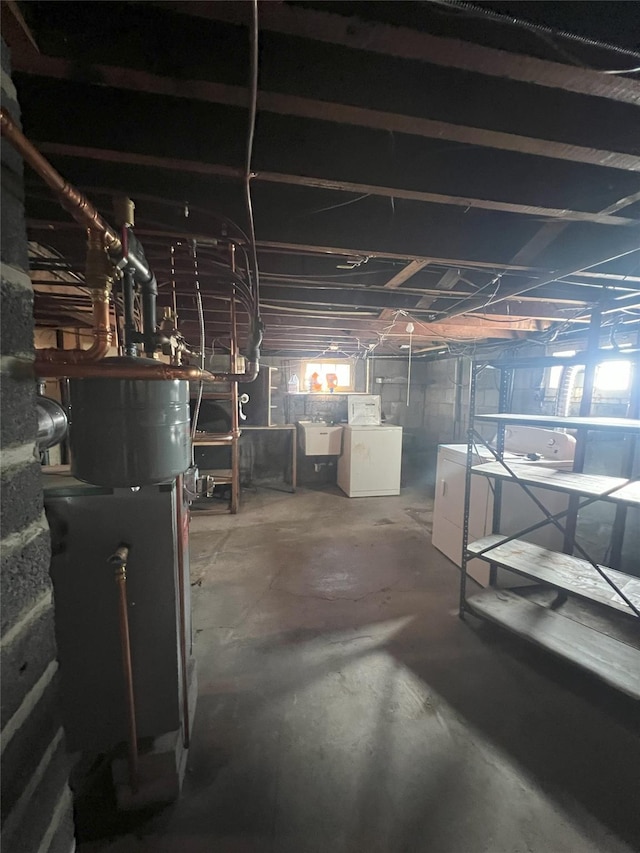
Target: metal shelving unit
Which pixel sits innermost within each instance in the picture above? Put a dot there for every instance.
(608, 645)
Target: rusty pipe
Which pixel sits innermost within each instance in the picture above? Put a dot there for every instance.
(119, 560)
(70, 198)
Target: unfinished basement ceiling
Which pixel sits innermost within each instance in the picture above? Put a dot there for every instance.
(480, 177)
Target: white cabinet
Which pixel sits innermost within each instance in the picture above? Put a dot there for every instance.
(518, 511)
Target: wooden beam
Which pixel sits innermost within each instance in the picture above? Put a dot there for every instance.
(508, 292)
(279, 247)
(355, 33)
(48, 226)
(217, 170)
(399, 278)
(327, 322)
(16, 31)
(238, 96)
(550, 232)
(433, 260)
(405, 274)
(446, 282)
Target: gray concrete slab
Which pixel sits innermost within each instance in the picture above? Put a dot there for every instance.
(344, 707)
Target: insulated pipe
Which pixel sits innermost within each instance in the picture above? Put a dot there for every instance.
(52, 423)
(136, 264)
(149, 317)
(128, 301)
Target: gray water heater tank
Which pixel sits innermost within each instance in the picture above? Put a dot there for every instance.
(129, 432)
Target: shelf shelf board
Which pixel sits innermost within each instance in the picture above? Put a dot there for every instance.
(211, 439)
(580, 358)
(222, 476)
(562, 571)
(589, 485)
(551, 421)
(614, 662)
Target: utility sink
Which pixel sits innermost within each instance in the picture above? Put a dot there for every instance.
(319, 439)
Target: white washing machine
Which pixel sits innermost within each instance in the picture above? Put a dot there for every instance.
(517, 510)
(371, 461)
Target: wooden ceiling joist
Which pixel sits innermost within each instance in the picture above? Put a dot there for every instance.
(294, 105)
(217, 170)
(405, 43)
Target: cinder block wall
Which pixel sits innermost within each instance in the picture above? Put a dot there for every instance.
(36, 802)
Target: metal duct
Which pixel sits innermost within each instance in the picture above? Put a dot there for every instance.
(52, 423)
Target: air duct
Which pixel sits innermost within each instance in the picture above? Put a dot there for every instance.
(52, 423)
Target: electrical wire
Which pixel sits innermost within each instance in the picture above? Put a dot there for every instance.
(253, 106)
(172, 203)
(247, 267)
(323, 276)
(624, 71)
(174, 298)
(539, 29)
(237, 280)
(331, 207)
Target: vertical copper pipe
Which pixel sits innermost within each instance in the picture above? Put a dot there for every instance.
(120, 558)
(235, 420)
(99, 280)
(181, 522)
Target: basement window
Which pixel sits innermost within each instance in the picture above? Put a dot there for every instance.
(613, 376)
(555, 372)
(342, 369)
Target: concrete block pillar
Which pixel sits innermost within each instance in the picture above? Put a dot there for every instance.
(36, 800)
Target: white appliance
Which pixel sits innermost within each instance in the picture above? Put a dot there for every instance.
(517, 509)
(547, 443)
(371, 460)
(363, 409)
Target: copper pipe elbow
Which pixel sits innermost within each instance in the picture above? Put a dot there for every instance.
(71, 199)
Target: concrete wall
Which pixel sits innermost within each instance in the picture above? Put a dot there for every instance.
(36, 800)
(438, 410)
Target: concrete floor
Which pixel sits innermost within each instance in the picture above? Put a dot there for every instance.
(344, 708)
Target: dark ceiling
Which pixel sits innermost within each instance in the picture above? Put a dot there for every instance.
(424, 158)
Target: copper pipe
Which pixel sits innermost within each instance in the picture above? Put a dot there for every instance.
(81, 209)
(99, 280)
(123, 368)
(70, 198)
(130, 368)
(120, 560)
(182, 532)
(235, 423)
(98, 349)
